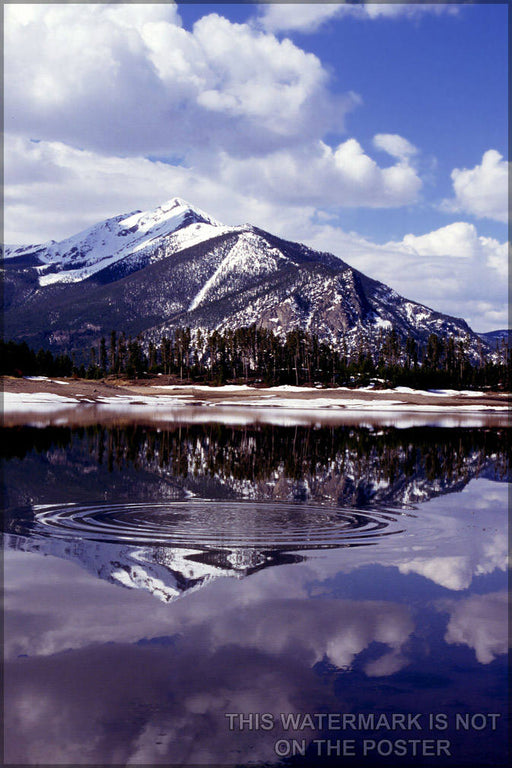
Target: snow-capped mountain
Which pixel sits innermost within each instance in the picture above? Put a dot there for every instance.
(135, 235)
(150, 272)
(494, 338)
(165, 572)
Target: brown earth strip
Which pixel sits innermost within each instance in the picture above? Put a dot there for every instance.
(111, 387)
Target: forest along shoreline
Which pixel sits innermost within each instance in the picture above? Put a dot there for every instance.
(96, 391)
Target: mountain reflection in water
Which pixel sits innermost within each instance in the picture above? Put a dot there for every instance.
(389, 595)
(236, 499)
(168, 549)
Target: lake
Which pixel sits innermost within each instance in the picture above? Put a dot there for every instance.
(294, 593)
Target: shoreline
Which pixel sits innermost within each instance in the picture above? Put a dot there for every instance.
(83, 401)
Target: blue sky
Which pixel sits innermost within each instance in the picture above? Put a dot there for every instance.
(377, 132)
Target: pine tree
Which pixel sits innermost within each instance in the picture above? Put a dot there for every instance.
(113, 359)
(103, 356)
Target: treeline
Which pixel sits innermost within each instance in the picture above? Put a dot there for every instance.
(258, 355)
(17, 359)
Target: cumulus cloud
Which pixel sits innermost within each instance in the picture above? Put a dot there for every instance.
(309, 17)
(303, 17)
(53, 190)
(451, 572)
(463, 553)
(222, 664)
(481, 623)
(459, 240)
(238, 120)
(482, 191)
(80, 187)
(130, 79)
(226, 98)
(320, 175)
(339, 629)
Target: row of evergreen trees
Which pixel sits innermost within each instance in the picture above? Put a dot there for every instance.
(259, 355)
(17, 359)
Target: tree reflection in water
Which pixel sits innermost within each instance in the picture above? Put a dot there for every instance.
(333, 465)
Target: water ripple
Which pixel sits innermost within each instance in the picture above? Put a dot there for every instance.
(218, 525)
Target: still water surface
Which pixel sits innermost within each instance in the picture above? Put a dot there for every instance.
(173, 595)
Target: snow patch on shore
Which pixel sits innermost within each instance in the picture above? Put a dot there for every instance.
(15, 402)
(133, 401)
(206, 387)
(46, 402)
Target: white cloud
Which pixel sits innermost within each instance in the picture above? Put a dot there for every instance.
(308, 17)
(460, 240)
(481, 623)
(131, 80)
(319, 175)
(395, 145)
(300, 17)
(482, 191)
(451, 572)
(341, 629)
(241, 117)
(80, 187)
(462, 553)
(457, 240)
(53, 190)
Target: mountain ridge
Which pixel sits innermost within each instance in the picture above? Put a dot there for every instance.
(151, 272)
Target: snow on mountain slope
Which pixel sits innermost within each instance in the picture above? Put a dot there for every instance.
(251, 256)
(152, 272)
(14, 251)
(92, 250)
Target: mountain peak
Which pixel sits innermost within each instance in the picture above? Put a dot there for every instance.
(176, 266)
(179, 206)
(173, 225)
(174, 205)
(174, 214)
(174, 202)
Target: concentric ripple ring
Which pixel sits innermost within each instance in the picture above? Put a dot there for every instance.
(217, 525)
